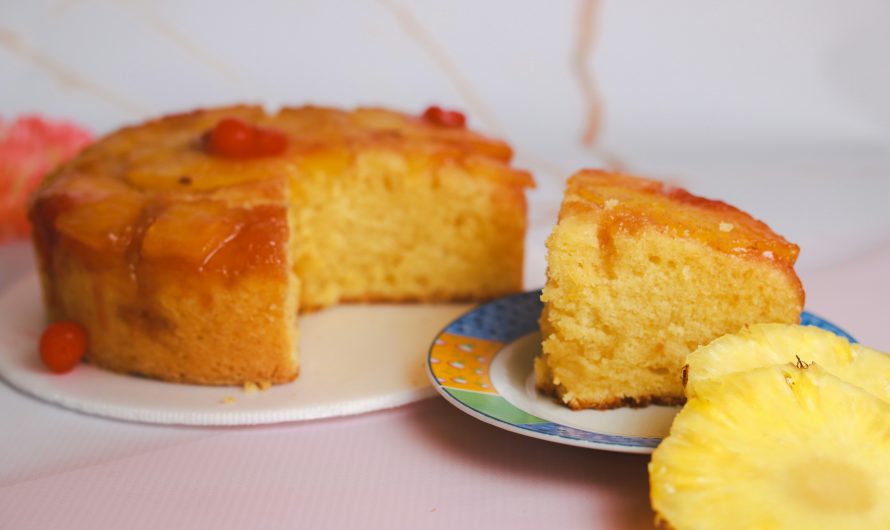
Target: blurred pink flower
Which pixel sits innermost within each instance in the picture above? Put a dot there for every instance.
(31, 147)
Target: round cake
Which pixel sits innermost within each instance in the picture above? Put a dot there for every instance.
(187, 245)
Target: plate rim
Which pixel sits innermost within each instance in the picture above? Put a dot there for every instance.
(637, 445)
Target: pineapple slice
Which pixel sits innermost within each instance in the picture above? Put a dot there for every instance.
(103, 225)
(773, 448)
(194, 231)
(769, 344)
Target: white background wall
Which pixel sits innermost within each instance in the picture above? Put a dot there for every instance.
(782, 108)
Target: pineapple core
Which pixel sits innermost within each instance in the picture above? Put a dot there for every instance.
(831, 485)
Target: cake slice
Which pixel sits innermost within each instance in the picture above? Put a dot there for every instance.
(639, 275)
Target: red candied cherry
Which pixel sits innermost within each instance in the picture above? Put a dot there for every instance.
(269, 142)
(446, 118)
(62, 345)
(231, 138)
(234, 138)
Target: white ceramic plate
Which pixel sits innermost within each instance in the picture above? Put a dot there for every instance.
(482, 364)
(355, 359)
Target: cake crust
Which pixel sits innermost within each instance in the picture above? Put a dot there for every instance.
(558, 392)
(639, 275)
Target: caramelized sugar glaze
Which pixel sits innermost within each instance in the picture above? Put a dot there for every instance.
(628, 203)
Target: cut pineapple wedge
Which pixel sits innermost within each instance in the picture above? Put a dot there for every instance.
(770, 344)
(774, 448)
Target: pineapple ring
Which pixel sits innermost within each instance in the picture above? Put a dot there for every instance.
(770, 344)
(775, 447)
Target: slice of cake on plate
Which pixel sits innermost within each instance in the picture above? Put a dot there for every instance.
(186, 246)
(639, 275)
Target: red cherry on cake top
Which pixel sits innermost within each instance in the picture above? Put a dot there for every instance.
(446, 118)
(234, 138)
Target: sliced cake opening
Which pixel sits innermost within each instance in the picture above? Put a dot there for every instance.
(390, 227)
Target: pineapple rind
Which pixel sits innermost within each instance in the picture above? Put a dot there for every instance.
(744, 448)
(771, 344)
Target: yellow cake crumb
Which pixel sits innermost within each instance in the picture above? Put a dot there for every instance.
(253, 386)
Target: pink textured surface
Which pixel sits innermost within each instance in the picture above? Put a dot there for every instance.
(855, 294)
(426, 465)
(421, 466)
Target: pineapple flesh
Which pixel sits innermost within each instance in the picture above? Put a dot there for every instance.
(770, 344)
(783, 446)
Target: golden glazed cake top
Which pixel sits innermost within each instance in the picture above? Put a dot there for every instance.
(627, 203)
(156, 192)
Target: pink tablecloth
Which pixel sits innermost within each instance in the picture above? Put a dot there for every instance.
(425, 465)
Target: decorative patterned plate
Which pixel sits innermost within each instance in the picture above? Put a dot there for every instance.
(482, 364)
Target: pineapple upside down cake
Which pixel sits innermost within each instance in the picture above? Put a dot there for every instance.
(639, 274)
(186, 246)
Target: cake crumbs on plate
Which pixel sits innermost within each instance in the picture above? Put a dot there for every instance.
(250, 387)
(228, 400)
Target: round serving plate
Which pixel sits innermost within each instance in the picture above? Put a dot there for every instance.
(482, 364)
(354, 359)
